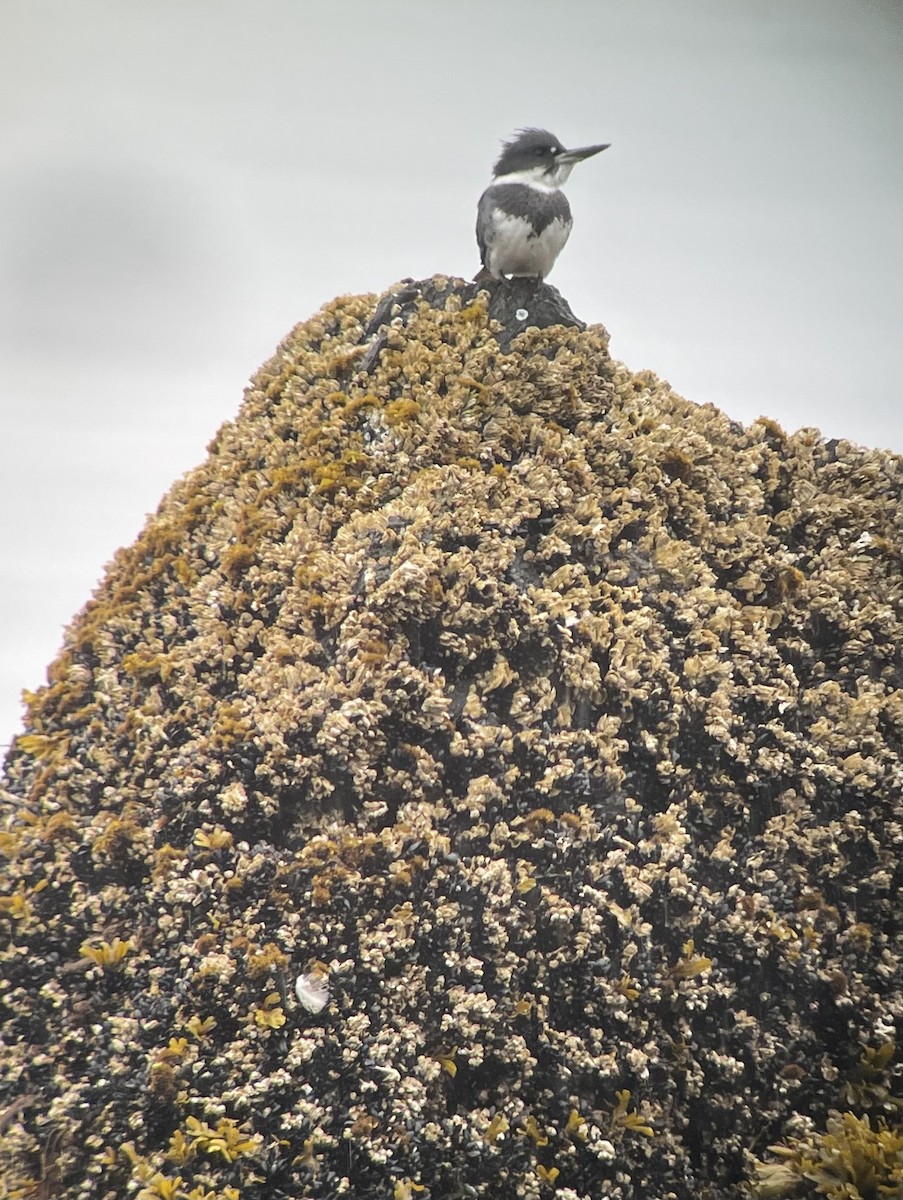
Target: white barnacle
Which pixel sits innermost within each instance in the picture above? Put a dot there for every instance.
(312, 992)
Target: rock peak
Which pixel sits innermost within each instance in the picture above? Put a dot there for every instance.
(480, 776)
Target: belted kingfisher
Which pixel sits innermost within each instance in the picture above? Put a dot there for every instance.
(523, 218)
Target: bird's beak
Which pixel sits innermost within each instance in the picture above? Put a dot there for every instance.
(575, 156)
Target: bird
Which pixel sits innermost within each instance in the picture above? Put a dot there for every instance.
(523, 217)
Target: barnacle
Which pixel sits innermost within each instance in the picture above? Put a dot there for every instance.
(551, 719)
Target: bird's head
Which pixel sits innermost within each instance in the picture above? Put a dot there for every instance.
(537, 156)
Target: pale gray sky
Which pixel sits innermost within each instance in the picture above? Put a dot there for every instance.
(183, 180)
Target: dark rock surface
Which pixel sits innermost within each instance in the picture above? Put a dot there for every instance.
(549, 721)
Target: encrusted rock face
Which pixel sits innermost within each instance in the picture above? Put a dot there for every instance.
(549, 721)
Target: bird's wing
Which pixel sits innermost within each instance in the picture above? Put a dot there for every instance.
(484, 223)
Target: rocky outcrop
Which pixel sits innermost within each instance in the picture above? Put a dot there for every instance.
(542, 727)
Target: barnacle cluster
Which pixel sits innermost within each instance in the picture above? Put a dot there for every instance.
(480, 778)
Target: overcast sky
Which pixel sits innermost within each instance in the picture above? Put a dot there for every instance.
(183, 180)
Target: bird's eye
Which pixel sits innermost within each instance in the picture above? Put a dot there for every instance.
(542, 151)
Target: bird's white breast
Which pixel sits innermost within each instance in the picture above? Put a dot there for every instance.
(515, 250)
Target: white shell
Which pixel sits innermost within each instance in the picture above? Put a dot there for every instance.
(312, 992)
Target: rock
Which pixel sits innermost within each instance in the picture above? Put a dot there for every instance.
(480, 778)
